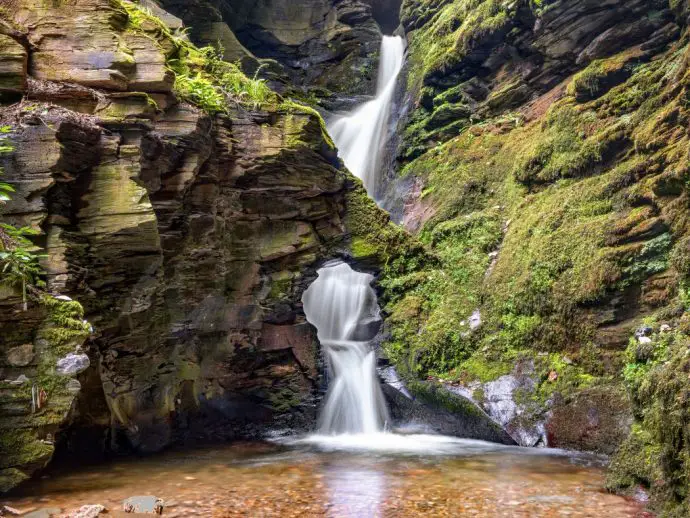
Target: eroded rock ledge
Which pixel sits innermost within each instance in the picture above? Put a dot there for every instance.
(187, 237)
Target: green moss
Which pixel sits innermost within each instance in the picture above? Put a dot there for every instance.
(656, 455)
(569, 143)
(11, 478)
(375, 238)
(600, 75)
(202, 76)
(453, 30)
(286, 398)
(290, 106)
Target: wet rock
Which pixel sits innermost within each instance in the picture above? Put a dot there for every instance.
(367, 329)
(322, 44)
(21, 379)
(73, 386)
(88, 511)
(20, 356)
(72, 364)
(390, 376)
(500, 402)
(13, 63)
(435, 409)
(143, 505)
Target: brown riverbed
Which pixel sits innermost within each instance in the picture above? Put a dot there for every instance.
(453, 478)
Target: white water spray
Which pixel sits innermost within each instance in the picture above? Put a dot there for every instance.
(360, 135)
(342, 305)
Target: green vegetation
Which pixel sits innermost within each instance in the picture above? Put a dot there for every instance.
(545, 227)
(202, 77)
(19, 266)
(656, 455)
(600, 75)
(454, 30)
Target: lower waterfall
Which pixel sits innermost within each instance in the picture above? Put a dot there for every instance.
(342, 306)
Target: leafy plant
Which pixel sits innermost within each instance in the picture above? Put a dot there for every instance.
(19, 265)
(20, 268)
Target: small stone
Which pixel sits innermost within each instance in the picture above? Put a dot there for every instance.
(73, 386)
(21, 356)
(63, 297)
(643, 331)
(73, 364)
(664, 328)
(644, 339)
(475, 320)
(567, 360)
(88, 511)
(20, 380)
(641, 495)
(143, 505)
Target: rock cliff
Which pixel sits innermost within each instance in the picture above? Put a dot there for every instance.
(186, 230)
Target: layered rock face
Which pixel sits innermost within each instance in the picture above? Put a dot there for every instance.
(187, 237)
(325, 46)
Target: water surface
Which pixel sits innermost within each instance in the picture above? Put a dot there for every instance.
(395, 476)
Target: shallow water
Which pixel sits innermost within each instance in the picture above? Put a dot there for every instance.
(345, 476)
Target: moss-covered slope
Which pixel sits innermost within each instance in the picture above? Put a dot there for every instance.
(548, 147)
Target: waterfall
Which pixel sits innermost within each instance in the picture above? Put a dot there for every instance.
(360, 135)
(342, 306)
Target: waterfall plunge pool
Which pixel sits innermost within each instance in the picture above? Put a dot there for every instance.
(304, 478)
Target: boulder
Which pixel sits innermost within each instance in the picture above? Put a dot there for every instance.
(434, 409)
(597, 419)
(73, 364)
(21, 356)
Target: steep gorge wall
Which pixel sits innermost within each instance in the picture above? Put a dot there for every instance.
(187, 237)
(548, 149)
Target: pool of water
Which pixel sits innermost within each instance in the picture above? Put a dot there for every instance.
(347, 476)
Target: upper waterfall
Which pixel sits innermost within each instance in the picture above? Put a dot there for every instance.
(360, 135)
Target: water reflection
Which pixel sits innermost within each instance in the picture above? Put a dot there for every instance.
(358, 492)
(398, 479)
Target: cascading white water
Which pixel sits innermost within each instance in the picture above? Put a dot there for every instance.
(340, 303)
(360, 135)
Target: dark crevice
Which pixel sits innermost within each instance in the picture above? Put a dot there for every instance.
(386, 13)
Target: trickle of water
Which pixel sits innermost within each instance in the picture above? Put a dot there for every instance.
(342, 306)
(360, 135)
